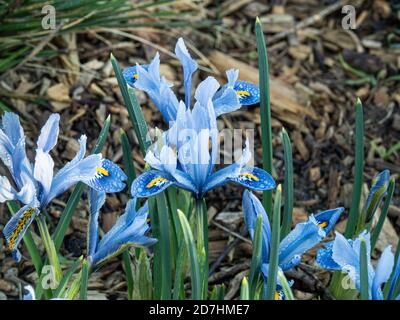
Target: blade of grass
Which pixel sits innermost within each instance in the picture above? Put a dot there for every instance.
(256, 257)
(265, 110)
(179, 271)
(384, 212)
(287, 185)
(66, 217)
(192, 254)
(84, 281)
(274, 249)
(132, 105)
(363, 271)
(359, 169)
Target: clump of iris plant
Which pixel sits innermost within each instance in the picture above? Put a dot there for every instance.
(302, 238)
(36, 184)
(183, 157)
(128, 231)
(228, 98)
(344, 254)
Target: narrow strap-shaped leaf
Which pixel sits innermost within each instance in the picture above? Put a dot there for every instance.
(265, 110)
(132, 105)
(165, 246)
(84, 281)
(363, 271)
(128, 272)
(192, 254)
(285, 286)
(179, 271)
(255, 265)
(244, 289)
(73, 200)
(58, 293)
(155, 230)
(287, 185)
(274, 250)
(359, 169)
(384, 213)
(127, 158)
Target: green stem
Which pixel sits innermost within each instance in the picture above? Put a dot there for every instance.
(84, 281)
(287, 185)
(202, 243)
(363, 271)
(274, 249)
(49, 247)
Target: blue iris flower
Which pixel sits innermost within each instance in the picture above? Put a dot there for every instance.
(182, 156)
(377, 192)
(344, 254)
(302, 238)
(35, 184)
(128, 231)
(229, 98)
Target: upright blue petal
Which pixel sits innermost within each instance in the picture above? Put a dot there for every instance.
(49, 133)
(382, 273)
(226, 99)
(158, 89)
(16, 228)
(301, 239)
(131, 74)
(328, 218)
(43, 172)
(96, 201)
(128, 231)
(189, 67)
(12, 127)
(247, 92)
(252, 208)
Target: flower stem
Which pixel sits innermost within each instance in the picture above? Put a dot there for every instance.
(202, 243)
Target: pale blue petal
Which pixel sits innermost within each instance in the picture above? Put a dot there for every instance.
(301, 239)
(49, 133)
(382, 273)
(252, 207)
(158, 89)
(189, 67)
(43, 172)
(83, 170)
(96, 201)
(12, 127)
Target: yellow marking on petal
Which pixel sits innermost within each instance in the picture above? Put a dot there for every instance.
(250, 176)
(102, 171)
(323, 224)
(277, 296)
(136, 76)
(243, 93)
(20, 226)
(155, 181)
